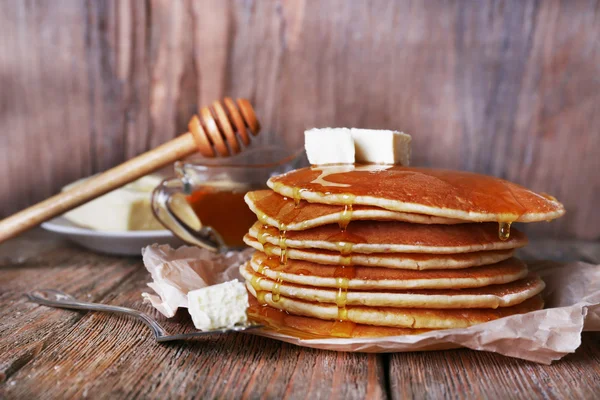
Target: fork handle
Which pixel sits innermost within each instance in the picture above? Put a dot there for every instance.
(58, 299)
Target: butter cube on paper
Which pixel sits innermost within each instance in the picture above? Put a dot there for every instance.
(219, 306)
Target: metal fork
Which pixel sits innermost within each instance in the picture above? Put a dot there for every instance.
(58, 299)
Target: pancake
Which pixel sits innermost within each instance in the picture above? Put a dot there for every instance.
(493, 296)
(413, 261)
(442, 193)
(314, 328)
(417, 318)
(361, 278)
(283, 213)
(394, 237)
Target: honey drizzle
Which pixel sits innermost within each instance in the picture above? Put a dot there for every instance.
(345, 217)
(282, 262)
(341, 298)
(276, 288)
(504, 230)
(296, 195)
(343, 275)
(283, 247)
(255, 282)
(262, 233)
(260, 296)
(268, 263)
(269, 249)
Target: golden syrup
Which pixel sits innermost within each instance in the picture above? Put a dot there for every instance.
(344, 272)
(346, 217)
(269, 249)
(260, 296)
(342, 295)
(271, 262)
(296, 195)
(345, 248)
(275, 292)
(340, 300)
(324, 173)
(343, 275)
(224, 210)
(342, 329)
(283, 247)
(263, 266)
(348, 199)
(262, 234)
(345, 261)
(262, 217)
(282, 322)
(427, 187)
(504, 230)
(255, 282)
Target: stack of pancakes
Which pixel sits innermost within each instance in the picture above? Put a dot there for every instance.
(367, 250)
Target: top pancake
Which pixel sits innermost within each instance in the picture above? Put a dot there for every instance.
(282, 212)
(442, 193)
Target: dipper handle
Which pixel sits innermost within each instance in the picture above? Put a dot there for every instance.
(215, 132)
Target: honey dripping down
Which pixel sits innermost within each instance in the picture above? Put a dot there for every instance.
(275, 292)
(345, 271)
(345, 217)
(260, 294)
(262, 233)
(504, 230)
(296, 195)
(343, 275)
(282, 262)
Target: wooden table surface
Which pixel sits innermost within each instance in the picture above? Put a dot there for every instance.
(54, 353)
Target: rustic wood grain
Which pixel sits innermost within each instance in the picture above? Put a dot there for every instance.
(27, 329)
(463, 374)
(508, 88)
(458, 374)
(108, 356)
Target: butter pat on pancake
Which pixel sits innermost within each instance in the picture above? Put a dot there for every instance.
(414, 261)
(396, 237)
(416, 318)
(361, 278)
(282, 212)
(442, 193)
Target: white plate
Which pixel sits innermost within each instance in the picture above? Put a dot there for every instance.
(118, 243)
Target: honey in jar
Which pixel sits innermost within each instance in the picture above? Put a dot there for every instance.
(223, 209)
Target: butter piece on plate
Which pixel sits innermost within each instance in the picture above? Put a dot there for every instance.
(219, 306)
(124, 209)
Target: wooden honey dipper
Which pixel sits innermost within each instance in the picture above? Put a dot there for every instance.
(214, 132)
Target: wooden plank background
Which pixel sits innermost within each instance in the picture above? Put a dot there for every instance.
(509, 88)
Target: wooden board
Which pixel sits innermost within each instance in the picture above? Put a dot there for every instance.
(53, 353)
(504, 88)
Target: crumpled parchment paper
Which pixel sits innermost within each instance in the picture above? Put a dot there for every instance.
(572, 298)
